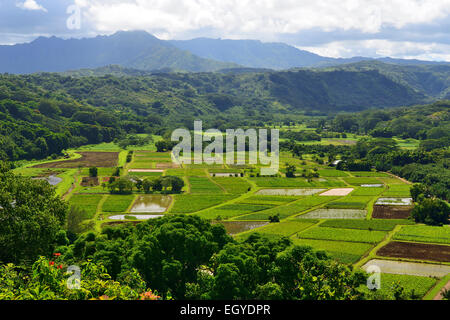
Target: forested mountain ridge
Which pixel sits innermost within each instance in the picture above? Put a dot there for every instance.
(137, 49)
(432, 80)
(42, 114)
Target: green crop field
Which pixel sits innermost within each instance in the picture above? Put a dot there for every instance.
(418, 286)
(287, 228)
(379, 225)
(350, 202)
(233, 185)
(272, 200)
(290, 209)
(332, 173)
(424, 234)
(348, 235)
(357, 181)
(367, 192)
(368, 174)
(401, 191)
(88, 203)
(231, 210)
(265, 182)
(193, 203)
(117, 203)
(345, 252)
(203, 185)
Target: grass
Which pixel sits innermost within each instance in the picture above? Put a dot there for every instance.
(117, 203)
(379, 225)
(411, 284)
(424, 234)
(203, 185)
(86, 202)
(344, 252)
(348, 235)
(68, 178)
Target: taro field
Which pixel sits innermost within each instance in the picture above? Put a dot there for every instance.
(354, 217)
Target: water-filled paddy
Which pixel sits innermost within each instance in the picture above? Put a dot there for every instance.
(288, 192)
(151, 204)
(410, 268)
(135, 216)
(235, 227)
(53, 180)
(335, 214)
(395, 201)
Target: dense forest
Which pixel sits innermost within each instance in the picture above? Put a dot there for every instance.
(43, 114)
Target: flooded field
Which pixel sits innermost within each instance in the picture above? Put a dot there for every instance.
(288, 192)
(372, 185)
(395, 201)
(151, 204)
(335, 214)
(135, 216)
(53, 180)
(235, 227)
(409, 268)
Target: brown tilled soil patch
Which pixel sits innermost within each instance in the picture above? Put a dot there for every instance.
(88, 159)
(391, 212)
(89, 182)
(419, 251)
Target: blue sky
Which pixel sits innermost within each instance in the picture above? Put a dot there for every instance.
(417, 29)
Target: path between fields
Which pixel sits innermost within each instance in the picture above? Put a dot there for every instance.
(439, 295)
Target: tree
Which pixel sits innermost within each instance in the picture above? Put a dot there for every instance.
(290, 170)
(434, 212)
(93, 172)
(31, 215)
(418, 190)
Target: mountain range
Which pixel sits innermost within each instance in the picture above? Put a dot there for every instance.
(142, 51)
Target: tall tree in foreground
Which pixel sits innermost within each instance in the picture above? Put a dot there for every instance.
(31, 215)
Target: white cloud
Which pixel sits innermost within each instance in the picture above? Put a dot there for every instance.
(383, 48)
(31, 5)
(269, 17)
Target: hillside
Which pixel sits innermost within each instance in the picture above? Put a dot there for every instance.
(42, 114)
(432, 80)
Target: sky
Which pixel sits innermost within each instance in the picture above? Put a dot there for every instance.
(411, 29)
